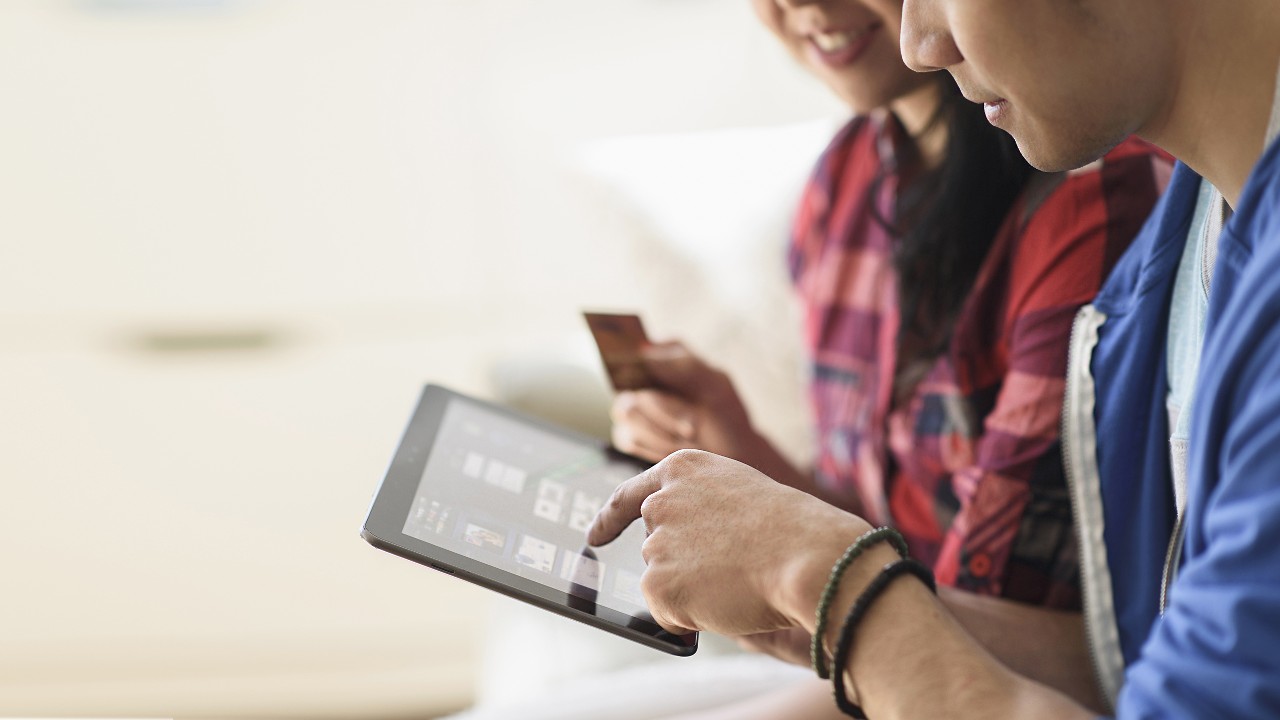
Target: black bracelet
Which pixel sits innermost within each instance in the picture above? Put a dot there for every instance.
(860, 607)
(863, 543)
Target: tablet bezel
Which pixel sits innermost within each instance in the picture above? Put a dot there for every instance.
(384, 526)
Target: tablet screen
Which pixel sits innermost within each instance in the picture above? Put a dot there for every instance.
(520, 498)
(504, 500)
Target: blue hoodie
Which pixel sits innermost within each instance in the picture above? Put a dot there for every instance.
(1215, 652)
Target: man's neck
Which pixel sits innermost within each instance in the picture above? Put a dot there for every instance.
(1224, 83)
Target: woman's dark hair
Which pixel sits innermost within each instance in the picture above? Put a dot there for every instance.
(946, 220)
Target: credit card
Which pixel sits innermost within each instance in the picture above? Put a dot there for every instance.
(620, 338)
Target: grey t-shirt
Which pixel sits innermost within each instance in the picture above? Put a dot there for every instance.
(1187, 315)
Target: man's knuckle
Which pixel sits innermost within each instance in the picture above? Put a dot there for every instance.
(653, 584)
(652, 508)
(684, 459)
(616, 500)
(648, 553)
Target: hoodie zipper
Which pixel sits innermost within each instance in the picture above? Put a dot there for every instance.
(1080, 464)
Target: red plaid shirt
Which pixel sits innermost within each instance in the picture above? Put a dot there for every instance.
(967, 465)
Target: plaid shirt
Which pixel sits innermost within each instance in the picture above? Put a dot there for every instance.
(966, 465)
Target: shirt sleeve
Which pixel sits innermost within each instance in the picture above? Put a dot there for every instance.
(1013, 533)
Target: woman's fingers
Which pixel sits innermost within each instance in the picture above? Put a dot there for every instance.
(651, 424)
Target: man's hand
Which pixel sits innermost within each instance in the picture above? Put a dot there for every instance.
(790, 645)
(728, 549)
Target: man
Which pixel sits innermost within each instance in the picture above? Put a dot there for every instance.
(731, 551)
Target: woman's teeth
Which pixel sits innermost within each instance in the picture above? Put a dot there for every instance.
(836, 41)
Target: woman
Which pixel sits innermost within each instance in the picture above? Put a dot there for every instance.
(939, 275)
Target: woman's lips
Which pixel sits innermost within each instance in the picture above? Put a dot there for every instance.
(839, 48)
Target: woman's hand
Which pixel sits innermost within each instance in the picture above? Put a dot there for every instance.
(695, 407)
(728, 549)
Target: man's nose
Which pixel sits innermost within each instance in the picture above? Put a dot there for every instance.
(926, 40)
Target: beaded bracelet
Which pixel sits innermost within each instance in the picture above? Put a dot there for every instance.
(866, 540)
(860, 607)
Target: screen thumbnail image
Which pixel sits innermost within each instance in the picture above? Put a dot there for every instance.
(551, 499)
(428, 517)
(484, 538)
(584, 511)
(626, 587)
(582, 570)
(494, 472)
(537, 554)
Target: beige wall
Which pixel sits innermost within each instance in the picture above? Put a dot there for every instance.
(280, 155)
(234, 240)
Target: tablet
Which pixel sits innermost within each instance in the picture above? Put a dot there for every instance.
(504, 500)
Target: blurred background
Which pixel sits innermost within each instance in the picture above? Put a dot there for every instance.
(238, 235)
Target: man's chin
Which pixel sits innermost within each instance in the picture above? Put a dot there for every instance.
(1050, 156)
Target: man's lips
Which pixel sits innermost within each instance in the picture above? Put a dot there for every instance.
(979, 97)
(995, 107)
(996, 110)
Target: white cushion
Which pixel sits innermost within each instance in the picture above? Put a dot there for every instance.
(710, 216)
